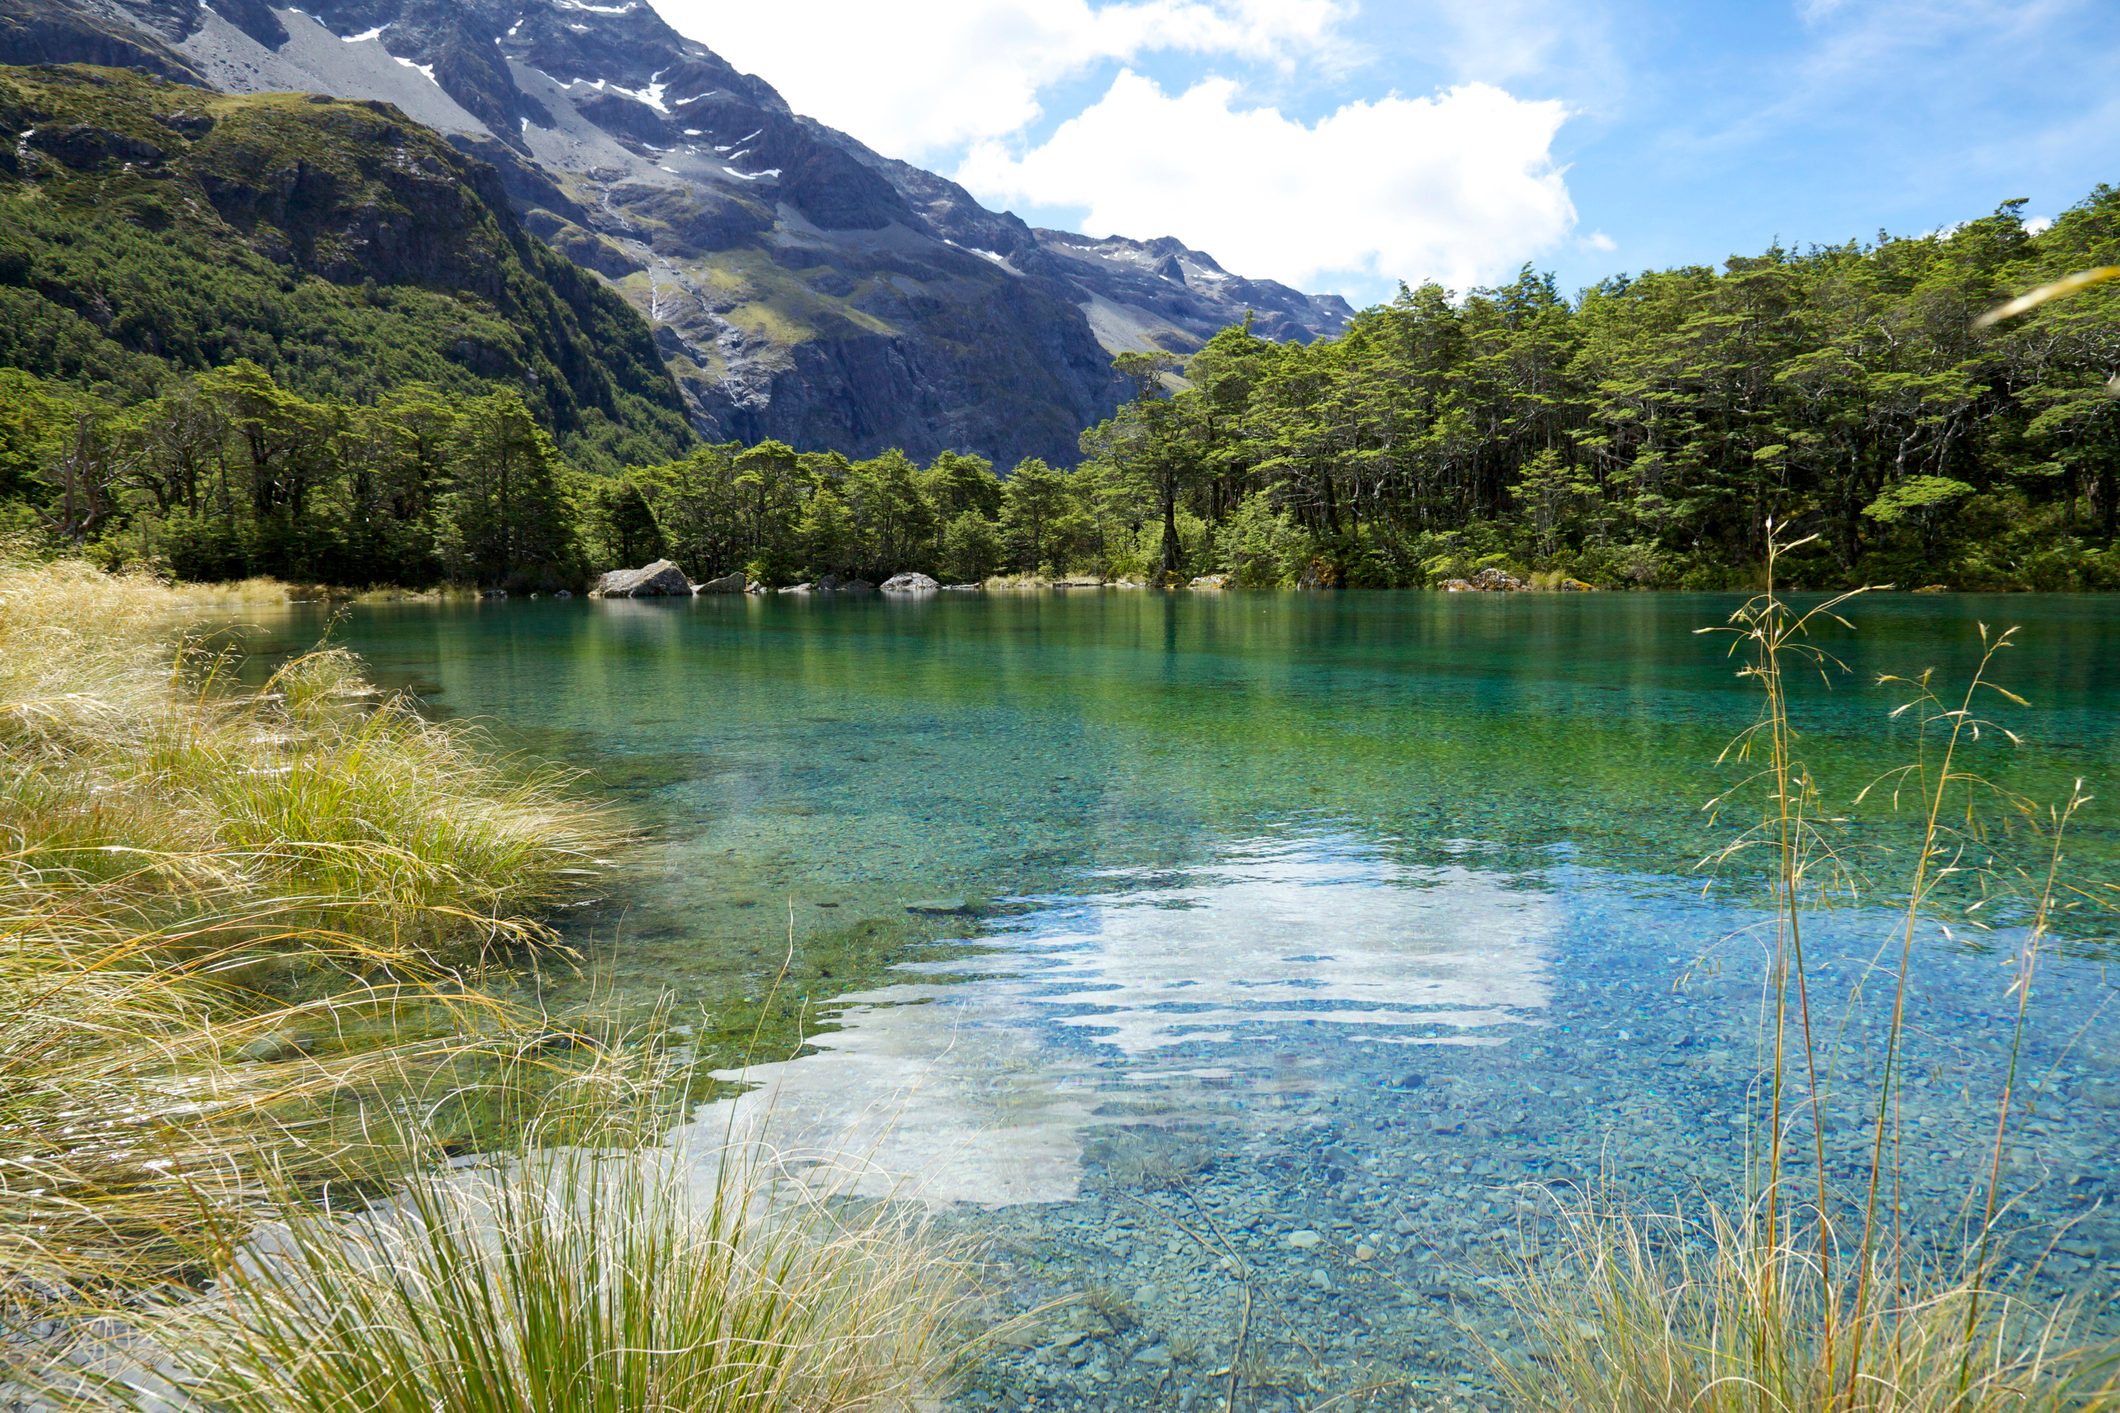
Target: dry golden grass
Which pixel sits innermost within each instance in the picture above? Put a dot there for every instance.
(563, 1279)
(1634, 1312)
(239, 935)
(228, 918)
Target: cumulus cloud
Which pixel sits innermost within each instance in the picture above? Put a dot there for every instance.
(917, 81)
(1460, 187)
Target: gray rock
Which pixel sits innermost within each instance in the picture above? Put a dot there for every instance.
(660, 580)
(962, 588)
(1488, 581)
(857, 586)
(726, 584)
(830, 584)
(802, 588)
(910, 584)
(942, 907)
(1211, 581)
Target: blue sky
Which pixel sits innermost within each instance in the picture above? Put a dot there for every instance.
(1343, 145)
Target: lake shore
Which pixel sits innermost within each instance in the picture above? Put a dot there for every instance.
(250, 958)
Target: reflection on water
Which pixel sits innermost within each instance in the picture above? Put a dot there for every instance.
(1205, 1070)
(985, 1090)
(1324, 1085)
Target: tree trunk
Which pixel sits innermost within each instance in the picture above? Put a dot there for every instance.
(1170, 529)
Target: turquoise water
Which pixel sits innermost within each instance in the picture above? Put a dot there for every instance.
(1188, 946)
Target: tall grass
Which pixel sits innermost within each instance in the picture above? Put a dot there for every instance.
(128, 761)
(1823, 1299)
(1709, 1311)
(228, 918)
(564, 1278)
(242, 931)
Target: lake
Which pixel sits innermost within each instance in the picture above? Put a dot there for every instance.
(1201, 950)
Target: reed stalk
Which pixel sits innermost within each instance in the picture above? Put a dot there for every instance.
(1745, 1312)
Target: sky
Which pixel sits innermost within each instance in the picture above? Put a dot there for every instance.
(1348, 145)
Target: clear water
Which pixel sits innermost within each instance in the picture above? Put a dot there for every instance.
(1188, 946)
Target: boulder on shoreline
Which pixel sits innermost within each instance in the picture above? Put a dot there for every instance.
(1488, 581)
(1210, 581)
(857, 586)
(910, 584)
(660, 580)
(727, 584)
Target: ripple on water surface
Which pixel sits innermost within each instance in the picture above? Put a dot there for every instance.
(1245, 1031)
(1169, 998)
(1343, 1084)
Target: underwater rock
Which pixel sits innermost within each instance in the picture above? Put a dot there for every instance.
(943, 907)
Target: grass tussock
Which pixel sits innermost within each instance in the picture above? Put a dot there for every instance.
(1645, 1313)
(565, 1279)
(128, 762)
(231, 921)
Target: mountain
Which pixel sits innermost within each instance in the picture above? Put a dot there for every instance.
(148, 227)
(801, 286)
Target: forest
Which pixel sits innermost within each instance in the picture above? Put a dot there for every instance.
(1639, 435)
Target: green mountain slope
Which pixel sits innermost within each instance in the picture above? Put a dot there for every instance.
(149, 228)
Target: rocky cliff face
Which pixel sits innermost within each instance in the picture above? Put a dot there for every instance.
(801, 286)
(149, 227)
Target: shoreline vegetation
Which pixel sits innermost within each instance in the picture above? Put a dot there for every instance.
(1635, 436)
(247, 945)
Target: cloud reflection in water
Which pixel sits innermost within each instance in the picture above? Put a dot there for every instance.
(1174, 997)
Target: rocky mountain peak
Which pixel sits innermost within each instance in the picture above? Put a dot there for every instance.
(801, 285)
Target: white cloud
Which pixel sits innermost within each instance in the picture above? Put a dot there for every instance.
(920, 80)
(1461, 187)
(1599, 242)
